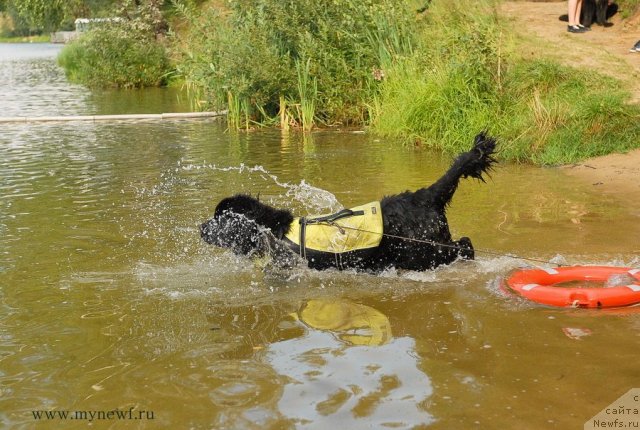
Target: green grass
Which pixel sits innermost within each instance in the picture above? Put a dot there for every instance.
(562, 115)
(308, 93)
(628, 7)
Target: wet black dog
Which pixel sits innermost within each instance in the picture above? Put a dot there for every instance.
(416, 232)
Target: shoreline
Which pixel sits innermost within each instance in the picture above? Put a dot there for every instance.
(614, 173)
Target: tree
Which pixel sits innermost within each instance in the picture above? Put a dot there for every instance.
(51, 15)
(46, 15)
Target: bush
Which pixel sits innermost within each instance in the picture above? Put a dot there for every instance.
(115, 55)
(266, 55)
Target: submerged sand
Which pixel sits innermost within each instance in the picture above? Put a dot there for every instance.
(614, 173)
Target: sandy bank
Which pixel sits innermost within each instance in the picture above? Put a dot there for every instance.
(614, 173)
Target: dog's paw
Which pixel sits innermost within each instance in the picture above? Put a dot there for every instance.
(465, 249)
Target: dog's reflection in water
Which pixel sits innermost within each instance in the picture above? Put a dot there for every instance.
(348, 369)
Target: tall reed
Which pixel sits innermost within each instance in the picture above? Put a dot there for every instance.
(238, 112)
(308, 93)
(283, 114)
(233, 112)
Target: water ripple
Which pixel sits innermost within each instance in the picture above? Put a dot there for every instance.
(33, 85)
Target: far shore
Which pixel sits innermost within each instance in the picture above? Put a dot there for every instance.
(26, 39)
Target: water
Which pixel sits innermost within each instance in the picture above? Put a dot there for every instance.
(110, 300)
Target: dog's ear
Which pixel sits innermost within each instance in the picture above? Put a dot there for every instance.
(277, 220)
(282, 220)
(239, 204)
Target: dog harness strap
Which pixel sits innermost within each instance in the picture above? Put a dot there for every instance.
(303, 232)
(331, 218)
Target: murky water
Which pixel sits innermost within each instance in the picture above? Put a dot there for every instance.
(109, 300)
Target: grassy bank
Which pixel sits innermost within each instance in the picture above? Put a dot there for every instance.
(469, 77)
(433, 78)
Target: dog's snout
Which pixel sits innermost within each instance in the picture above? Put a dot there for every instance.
(207, 232)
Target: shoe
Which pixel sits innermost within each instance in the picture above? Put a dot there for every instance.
(575, 29)
(636, 47)
(584, 27)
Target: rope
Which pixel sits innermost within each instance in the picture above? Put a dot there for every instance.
(446, 245)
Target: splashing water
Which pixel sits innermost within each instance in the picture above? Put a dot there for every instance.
(313, 199)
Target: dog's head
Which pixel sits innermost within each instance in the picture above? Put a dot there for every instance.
(245, 225)
(233, 226)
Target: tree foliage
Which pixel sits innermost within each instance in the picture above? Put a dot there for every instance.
(52, 15)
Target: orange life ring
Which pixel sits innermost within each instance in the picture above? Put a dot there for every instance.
(539, 285)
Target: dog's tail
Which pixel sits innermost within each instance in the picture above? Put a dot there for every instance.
(480, 159)
(474, 163)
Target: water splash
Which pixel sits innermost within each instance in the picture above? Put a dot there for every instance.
(313, 199)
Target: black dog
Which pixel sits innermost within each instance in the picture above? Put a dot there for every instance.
(415, 229)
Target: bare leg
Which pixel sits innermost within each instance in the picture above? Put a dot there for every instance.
(574, 9)
(578, 10)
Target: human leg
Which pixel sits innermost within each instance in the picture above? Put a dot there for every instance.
(573, 8)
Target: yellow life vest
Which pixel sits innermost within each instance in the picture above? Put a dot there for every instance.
(354, 229)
